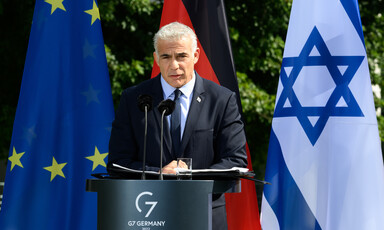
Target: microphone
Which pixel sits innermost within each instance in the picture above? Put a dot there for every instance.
(165, 107)
(145, 104)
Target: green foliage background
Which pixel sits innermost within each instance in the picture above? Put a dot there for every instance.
(257, 29)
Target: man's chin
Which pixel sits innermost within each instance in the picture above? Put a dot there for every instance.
(177, 83)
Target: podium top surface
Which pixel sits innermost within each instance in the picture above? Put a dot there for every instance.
(211, 186)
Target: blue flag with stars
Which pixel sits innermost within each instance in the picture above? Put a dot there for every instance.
(324, 159)
(62, 123)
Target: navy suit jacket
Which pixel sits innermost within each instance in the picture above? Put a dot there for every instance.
(213, 136)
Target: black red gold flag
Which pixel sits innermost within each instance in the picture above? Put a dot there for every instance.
(208, 20)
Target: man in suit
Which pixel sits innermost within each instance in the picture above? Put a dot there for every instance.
(210, 130)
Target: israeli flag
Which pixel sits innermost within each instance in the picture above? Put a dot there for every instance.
(324, 159)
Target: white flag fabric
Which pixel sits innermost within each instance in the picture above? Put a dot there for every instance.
(324, 159)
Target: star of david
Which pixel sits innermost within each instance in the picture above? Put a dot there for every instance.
(288, 104)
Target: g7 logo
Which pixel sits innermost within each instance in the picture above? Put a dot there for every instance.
(153, 203)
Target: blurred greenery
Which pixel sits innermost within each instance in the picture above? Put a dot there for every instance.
(257, 29)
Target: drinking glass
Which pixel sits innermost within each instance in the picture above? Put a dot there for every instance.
(184, 169)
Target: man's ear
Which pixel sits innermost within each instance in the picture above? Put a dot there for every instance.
(156, 58)
(196, 55)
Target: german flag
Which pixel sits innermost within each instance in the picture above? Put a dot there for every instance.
(208, 19)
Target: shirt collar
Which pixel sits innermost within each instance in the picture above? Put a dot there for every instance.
(186, 89)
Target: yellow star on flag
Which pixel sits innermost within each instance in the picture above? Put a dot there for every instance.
(55, 169)
(15, 158)
(98, 159)
(94, 12)
(56, 4)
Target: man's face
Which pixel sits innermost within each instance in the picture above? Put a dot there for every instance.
(176, 61)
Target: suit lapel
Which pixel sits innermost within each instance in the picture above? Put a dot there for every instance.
(194, 111)
(157, 98)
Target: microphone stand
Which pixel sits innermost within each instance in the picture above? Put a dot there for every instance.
(161, 145)
(145, 104)
(165, 107)
(145, 141)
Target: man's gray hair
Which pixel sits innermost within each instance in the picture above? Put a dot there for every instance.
(174, 32)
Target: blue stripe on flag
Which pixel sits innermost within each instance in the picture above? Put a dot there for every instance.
(284, 196)
(352, 9)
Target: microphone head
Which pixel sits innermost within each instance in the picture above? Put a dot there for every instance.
(144, 101)
(167, 105)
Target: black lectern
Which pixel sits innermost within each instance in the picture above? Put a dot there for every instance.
(154, 204)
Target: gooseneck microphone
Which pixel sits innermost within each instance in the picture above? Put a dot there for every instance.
(165, 107)
(145, 104)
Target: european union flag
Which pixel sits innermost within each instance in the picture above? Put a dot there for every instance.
(63, 119)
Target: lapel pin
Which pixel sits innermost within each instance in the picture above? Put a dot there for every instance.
(198, 99)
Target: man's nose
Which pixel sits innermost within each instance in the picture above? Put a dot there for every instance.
(174, 64)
